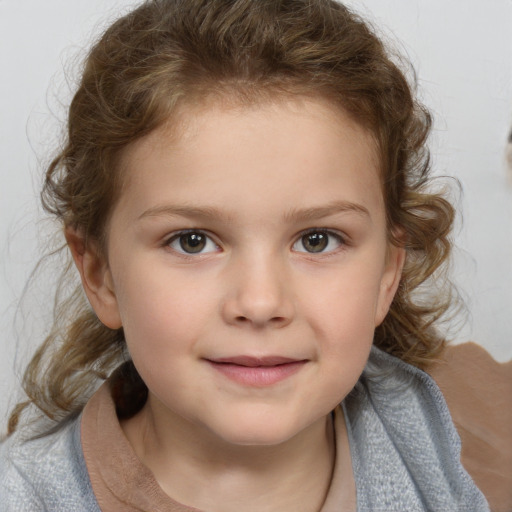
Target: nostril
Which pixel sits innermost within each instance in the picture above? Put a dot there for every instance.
(276, 320)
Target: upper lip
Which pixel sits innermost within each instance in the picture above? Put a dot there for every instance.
(255, 361)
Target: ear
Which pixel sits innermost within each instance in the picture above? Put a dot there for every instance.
(390, 280)
(96, 277)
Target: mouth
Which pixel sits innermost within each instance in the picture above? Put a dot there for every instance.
(257, 371)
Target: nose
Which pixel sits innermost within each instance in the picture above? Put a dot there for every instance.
(258, 294)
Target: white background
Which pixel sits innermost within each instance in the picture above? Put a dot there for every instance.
(462, 51)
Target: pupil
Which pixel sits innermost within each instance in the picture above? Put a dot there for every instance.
(315, 242)
(192, 242)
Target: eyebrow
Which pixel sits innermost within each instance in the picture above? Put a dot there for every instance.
(293, 215)
(332, 208)
(198, 212)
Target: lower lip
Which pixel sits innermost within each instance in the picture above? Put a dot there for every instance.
(258, 376)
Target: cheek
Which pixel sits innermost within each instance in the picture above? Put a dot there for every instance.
(341, 315)
(162, 311)
(346, 300)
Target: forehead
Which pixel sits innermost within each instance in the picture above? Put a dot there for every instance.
(287, 151)
(199, 112)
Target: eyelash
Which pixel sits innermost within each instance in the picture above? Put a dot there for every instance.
(340, 239)
(177, 237)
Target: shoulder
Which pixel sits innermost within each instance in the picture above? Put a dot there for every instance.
(478, 391)
(404, 446)
(45, 473)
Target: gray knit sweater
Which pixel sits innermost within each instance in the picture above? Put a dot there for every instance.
(405, 452)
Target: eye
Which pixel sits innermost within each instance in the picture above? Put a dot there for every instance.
(192, 242)
(318, 241)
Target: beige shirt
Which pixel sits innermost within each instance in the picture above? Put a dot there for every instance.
(121, 482)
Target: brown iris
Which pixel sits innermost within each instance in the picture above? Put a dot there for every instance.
(315, 242)
(192, 242)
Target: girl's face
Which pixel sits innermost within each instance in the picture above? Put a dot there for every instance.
(248, 264)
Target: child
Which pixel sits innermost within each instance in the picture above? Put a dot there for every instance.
(243, 190)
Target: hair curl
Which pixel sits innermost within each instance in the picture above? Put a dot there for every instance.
(169, 52)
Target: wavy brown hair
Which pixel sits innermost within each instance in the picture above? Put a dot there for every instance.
(170, 53)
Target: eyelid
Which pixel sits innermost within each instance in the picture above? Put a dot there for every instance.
(177, 234)
(338, 235)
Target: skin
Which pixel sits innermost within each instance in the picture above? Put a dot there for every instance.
(251, 181)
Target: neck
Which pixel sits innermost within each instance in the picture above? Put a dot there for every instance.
(198, 469)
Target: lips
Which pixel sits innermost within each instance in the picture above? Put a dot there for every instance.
(257, 371)
(255, 361)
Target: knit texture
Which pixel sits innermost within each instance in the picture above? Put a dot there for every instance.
(405, 449)
(46, 474)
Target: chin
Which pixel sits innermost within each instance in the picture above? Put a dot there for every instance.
(258, 432)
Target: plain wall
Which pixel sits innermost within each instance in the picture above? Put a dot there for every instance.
(462, 52)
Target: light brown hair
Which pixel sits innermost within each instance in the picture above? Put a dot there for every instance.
(167, 53)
